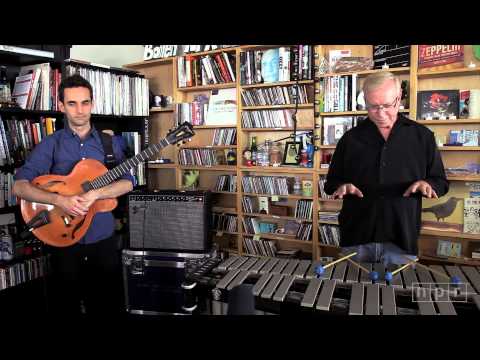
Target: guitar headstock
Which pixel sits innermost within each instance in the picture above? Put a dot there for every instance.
(182, 132)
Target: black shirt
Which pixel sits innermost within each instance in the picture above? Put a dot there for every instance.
(383, 171)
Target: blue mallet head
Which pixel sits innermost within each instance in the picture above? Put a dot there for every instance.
(388, 276)
(374, 276)
(456, 280)
(319, 270)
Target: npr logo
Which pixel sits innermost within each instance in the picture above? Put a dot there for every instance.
(439, 292)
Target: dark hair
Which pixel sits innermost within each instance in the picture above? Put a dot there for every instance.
(73, 81)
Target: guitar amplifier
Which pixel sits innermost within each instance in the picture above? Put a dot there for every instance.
(170, 220)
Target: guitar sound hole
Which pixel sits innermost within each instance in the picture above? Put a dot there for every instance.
(64, 235)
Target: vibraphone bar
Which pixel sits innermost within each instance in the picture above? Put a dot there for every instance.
(291, 285)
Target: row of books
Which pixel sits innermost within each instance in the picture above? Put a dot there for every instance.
(36, 87)
(321, 188)
(199, 157)
(205, 70)
(115, 94)
(21, 272)
(259, 247)
(222, 222)
(133, 146)
(335, 126)
(7, 198)
(338, 93)
(195, 112)
(463, 137)
(267, 119)
(18, 137)
(276, 95)
(304, 232)
(271, 185)
(226, 136)
(279, 64)
(328, 216)
(303, 209)
(329, 234)
(226, 183)
(248, 206)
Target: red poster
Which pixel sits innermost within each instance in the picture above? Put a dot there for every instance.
(437, 55)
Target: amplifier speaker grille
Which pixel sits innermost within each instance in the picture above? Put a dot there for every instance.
(170, 220)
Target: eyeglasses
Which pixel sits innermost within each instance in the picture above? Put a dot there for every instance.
(383, 106)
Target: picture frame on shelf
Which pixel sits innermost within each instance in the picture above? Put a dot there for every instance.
(292, 150)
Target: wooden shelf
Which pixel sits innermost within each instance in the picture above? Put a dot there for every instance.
(278, 83)
(280, 238)
(322, 171)
(160, 109)
(209, 87)
(225, 232)
(320, 244)
(279, 196)
(162, 166)
(206, 127)
(277, 129)
(268, 216)
(257, 47)
(209, 168)
(327, 146)
(450, 234)
(464, 178)
(225, 192)
(328, 222)
(273, 107)
(405, 69)
(461, 261)
(459, 148)
(449, 122)
(279, 169)
(447, 72)
(353, 113)
(208, 147)
(224, 210)
(153, 62)
(330, 200)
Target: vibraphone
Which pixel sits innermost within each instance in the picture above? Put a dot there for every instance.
(292, 286)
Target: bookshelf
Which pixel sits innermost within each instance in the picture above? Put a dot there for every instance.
(163, 77)
(24, 281)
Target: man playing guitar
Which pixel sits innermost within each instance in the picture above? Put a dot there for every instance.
(93, 263)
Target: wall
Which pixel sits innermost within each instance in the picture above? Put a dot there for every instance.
(113, 55)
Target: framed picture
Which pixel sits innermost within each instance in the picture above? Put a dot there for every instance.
(292, 149)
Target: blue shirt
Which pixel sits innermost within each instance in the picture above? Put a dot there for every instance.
(58, 153)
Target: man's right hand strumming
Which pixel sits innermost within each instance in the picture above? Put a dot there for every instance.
(347, 189)
(72, 205)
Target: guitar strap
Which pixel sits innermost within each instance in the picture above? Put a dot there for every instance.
(110, 160)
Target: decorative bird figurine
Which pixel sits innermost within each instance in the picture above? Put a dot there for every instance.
(442, 211)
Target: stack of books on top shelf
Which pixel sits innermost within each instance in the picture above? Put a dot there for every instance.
(279, 64)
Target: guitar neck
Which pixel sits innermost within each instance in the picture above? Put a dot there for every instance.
(127, 165)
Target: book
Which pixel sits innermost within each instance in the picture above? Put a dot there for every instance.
(471, 215)
(438, 104)
(222, 107)
(270, 65)
(22, 89)
(263, 205)
(307, 187)
(391, 55)
(449, 248)
(334, 55)
(464, 98)
(439, 55)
